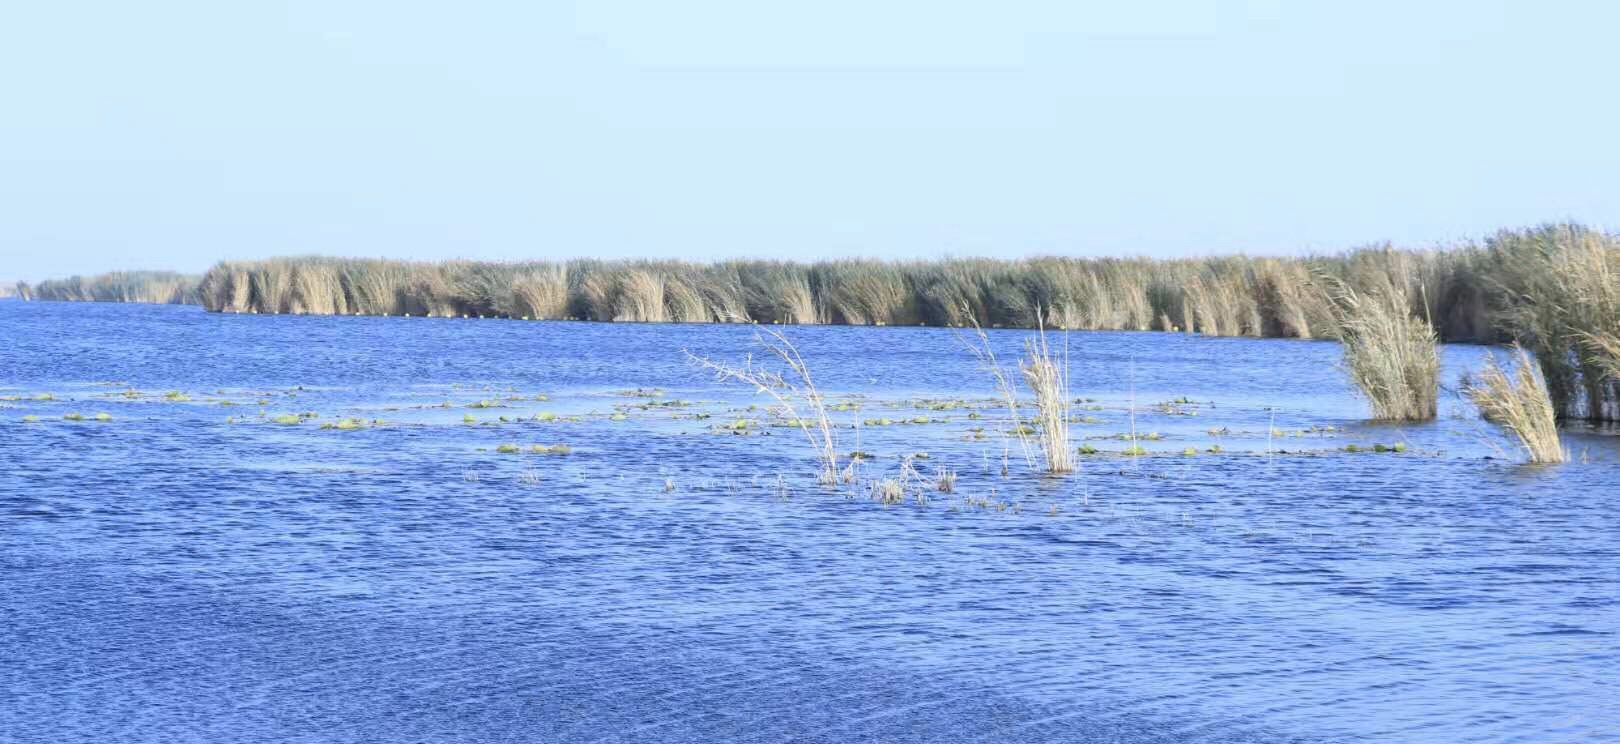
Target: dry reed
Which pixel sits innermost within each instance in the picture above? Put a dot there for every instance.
(1518, 401)
(1390, 355)
(1048, 377)
(789, 390)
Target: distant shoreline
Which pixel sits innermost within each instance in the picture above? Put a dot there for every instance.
(1551, 288)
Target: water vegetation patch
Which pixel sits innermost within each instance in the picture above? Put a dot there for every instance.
(534, 449)
(345, 424)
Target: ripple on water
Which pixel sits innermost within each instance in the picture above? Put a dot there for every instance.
(169, 576)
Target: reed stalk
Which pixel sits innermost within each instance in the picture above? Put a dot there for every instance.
(1518, 402)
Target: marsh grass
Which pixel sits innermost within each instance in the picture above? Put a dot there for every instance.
(791, 389)
(1218, 296)
(985, 353)
(1390, 354)
(1048, 378)
(1518, 401)
(161, 287)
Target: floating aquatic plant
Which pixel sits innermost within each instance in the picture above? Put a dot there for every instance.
(73, 417)
(287, 419)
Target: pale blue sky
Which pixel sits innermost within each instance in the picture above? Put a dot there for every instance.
(169, 134)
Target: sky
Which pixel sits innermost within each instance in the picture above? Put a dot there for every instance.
(170, 134)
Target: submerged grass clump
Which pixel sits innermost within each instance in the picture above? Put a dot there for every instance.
(534, 449)
(1518, 401)
(888, 491)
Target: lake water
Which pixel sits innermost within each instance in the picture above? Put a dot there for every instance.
(191, 570)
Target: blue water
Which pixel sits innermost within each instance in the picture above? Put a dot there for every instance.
(190, 570)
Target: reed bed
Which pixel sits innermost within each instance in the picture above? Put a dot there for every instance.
(156, 287)
(1519, 402)
(1219, 296)
(1554, 288)
(1558, 290)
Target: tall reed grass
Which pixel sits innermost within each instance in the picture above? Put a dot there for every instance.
(1047, 376)
(1557, 290)
(158, 287)
(794, 390)
(1519, 402)
(1391, 355)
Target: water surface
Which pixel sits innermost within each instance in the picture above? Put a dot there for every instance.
(191, 571)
